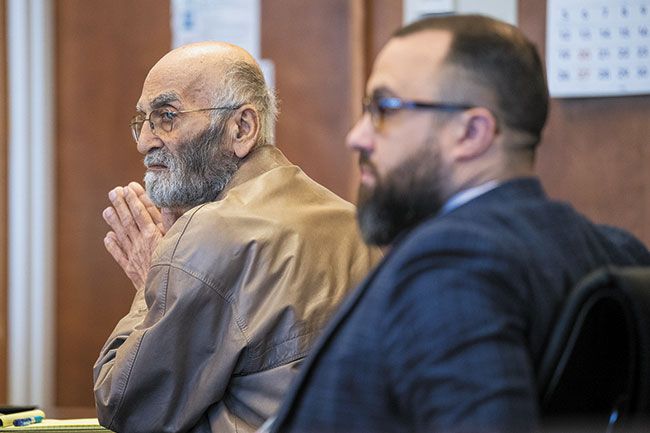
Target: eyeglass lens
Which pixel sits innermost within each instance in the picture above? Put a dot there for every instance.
(159, 120)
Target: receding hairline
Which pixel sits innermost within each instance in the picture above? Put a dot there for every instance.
(204, 59)
(200, 66)
(451, 71)
(455, 26)
(499, 62)
(210, 51)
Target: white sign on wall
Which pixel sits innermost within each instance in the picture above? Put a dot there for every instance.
(416, 9)
(233, 21)
(598, 47)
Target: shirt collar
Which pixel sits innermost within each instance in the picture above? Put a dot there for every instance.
(466, 195)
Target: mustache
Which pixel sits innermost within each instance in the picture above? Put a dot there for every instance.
(158, 156)
(364, 161)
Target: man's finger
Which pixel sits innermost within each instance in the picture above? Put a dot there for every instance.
(137, 188)
(141, 216)
(112, 219)
(116, 196)
(146, 201)
(112, 246)
(119, 255)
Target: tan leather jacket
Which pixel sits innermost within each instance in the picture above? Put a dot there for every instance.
(238, 290)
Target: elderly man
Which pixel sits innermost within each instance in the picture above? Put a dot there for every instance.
(237, 274)
(445, 335)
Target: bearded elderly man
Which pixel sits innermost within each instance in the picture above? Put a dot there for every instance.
(446, 334)
(237, 273)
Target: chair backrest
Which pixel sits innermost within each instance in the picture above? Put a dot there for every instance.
(597, 361)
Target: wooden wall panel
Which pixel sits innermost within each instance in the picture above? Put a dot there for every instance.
(323, 52)
(383, 18)
(104, 51)
(3, 204)
(310, 44)
(595, 151)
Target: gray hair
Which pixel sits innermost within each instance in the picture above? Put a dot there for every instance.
(243, 83)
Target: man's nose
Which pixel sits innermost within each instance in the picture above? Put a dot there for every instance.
(147, 139)
(361, 136)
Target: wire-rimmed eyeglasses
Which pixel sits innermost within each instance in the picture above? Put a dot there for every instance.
(162, 119)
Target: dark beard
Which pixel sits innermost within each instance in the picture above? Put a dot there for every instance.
(197, 174)
(407, 195)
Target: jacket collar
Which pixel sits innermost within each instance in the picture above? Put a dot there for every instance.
(509, 191)
(257, 162)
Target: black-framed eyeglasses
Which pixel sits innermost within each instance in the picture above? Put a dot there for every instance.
(162, 119)
(379, 107)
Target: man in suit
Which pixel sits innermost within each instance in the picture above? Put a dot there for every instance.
(237, 275)
(445, 335)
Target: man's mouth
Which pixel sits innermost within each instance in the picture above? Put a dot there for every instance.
(157, 160)
(367, 174)
(367, 170)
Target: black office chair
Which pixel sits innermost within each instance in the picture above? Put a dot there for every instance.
(597, 363)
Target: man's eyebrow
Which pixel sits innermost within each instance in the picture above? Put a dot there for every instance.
(160, 101)
(381, 91)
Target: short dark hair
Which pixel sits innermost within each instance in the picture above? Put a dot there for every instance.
(499, 57)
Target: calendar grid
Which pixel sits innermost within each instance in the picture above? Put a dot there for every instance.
(598, 47)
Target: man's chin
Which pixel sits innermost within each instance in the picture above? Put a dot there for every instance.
(375, 227)
(155, 179)
(374, 232)
(153, 185)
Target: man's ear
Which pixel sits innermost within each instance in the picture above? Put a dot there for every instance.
(476, 132)
(246, 130)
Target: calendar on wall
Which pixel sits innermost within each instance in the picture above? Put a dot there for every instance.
(598, 47)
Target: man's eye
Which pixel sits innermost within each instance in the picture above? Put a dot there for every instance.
(388, 104)
(384, 109)
(167, 116)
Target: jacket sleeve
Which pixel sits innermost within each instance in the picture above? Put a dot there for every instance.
(167, 361)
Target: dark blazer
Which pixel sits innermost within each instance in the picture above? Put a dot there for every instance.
(445, 335)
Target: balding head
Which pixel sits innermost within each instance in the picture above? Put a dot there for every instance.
(201, 65)
(209, 51)
(214, 74)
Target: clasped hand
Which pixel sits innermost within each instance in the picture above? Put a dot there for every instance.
(137, 228)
